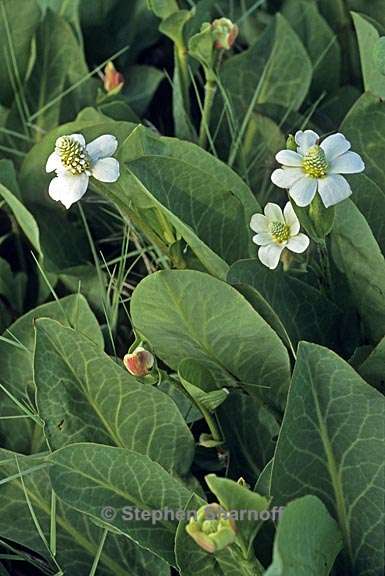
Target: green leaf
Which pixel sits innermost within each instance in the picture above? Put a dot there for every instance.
(53, 44)
(83, 395)
(141, 85)
(8, 177)
(162, 8)
(379, 55)
(18, 23)
(205, 319)
(363, 126)
(203, 199)
(77, 537)
(368, 36)
(23, 217)
(301, 309)
(373, 367)
(331, 445)
(16, 361)
(319, 40)
(91, 477)
(201, 47)
(173, 26)
(276, 69)
(358, 256)
(307, 540)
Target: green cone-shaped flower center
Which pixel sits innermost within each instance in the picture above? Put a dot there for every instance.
(73, 155)
(210, 526)
(280, 232)
(315, 163)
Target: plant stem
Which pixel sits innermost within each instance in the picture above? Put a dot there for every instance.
(181, 61)
(98, 552)
(210, 90)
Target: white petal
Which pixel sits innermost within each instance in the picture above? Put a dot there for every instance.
(53, 162)
(303, 191)
(270, 255)
(106, 170)
(298, 243)
(274, 213)
(289, 158)
(102, 147)
(286, 177)
(348, 163)
(305, 140)
(291, 219)
(68, 188)
(263, 238)
(79, 138)
(55, 189)
(259, 223)
(335, 145)
(333, 189)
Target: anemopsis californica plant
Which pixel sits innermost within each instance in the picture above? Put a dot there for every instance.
(316, 167)
(74, 162)
(277, 230)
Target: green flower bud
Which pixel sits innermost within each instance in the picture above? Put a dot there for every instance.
(225, 33)
(322, 218)
(291, 144)
(212, 529)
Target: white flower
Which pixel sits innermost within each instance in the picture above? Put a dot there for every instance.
(317, 167)
(74, 162)
(277, 231)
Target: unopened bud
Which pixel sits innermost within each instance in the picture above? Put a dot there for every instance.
(291, 144)
(212, 528)
(113, 80)
(140, 362)
(225, 33)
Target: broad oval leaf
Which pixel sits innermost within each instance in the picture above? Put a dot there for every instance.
(331, 445)
(83, 395)
(276, 69)
(364, 126)
(203, 318)
(77, 537)
(207, 203)
(16, 361)
(92, 477)
(307, 540)
(300, 309)
(358, 256)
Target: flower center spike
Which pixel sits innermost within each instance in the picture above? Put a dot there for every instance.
(72, 155)
(315, 163)
(280, 232)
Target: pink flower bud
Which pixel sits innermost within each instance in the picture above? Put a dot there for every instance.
(113, 80)
(140, 362)
(225, 33)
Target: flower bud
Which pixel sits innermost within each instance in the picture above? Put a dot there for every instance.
(212, 529)
(225, 33)
(140, 362)
(291, 144)
(113, 80)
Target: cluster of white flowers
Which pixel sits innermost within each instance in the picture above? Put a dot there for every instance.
(74, 162)
(314, 167)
